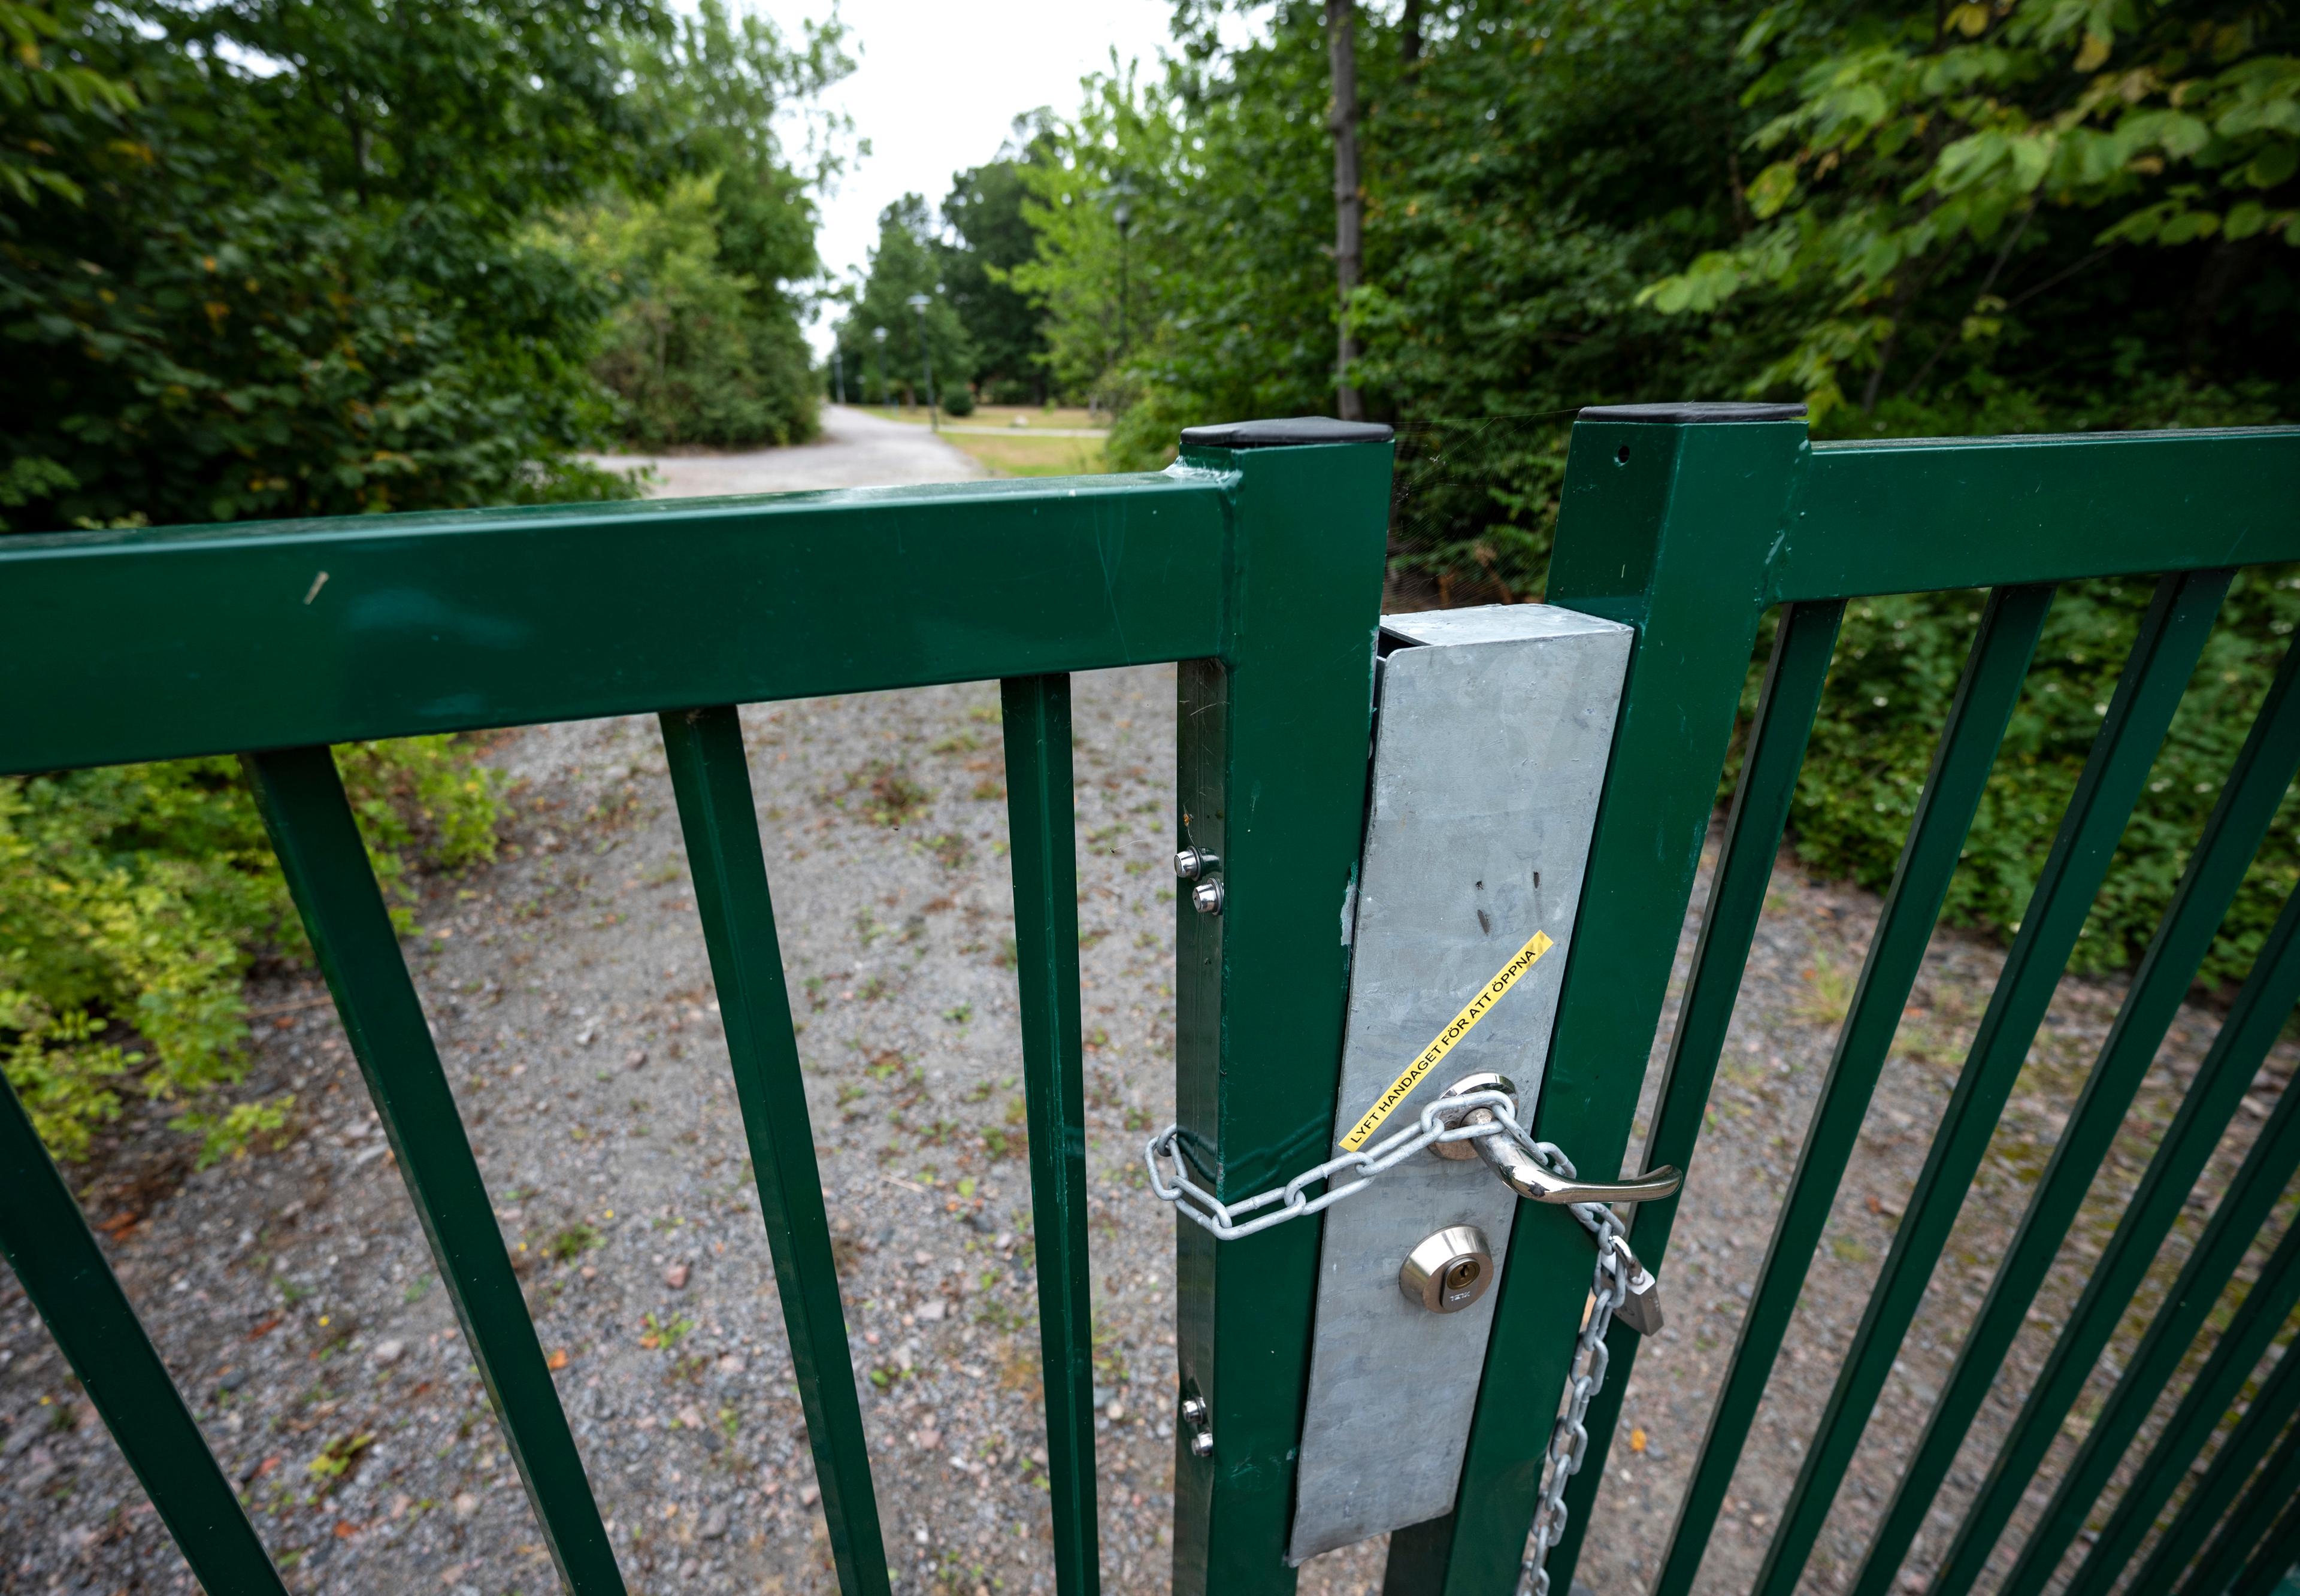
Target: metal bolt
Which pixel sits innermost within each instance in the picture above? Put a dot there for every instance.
(1193, 1410)
(1207, 897)
(1202, 1444)
(1190, 863)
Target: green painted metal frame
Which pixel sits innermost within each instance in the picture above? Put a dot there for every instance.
(2242, 1526)
(2266, 765)
(48, 1245)
(2229, 1506)
(711, 781)
(1688, 524)
(310, 823)
(1042, 827)
(1258, 567)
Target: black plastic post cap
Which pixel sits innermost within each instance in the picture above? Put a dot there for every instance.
(1280, 434)
(1687, 412)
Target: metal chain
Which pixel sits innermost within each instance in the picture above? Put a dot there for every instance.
(1568, 1441)
(1195, 1203)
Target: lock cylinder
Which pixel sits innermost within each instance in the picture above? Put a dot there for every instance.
(1448, 1271)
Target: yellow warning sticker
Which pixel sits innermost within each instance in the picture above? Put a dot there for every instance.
(1457, 1028)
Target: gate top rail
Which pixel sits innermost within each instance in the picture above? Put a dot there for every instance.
(168, 642)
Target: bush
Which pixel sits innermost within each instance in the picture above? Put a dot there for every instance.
(691, 352)
(1894, 672)
(134, 899)
(958, 400)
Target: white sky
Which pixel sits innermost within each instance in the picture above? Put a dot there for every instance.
(939, 85)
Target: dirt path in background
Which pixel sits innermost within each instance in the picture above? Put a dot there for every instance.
(855, 450)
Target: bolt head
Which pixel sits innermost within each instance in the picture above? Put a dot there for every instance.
(1207, 897)
(1202, 1444)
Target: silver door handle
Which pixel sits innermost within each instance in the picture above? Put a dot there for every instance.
(1530, 1181)
(1524, 1174)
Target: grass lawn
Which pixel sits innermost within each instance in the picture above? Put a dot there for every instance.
(1012, 451)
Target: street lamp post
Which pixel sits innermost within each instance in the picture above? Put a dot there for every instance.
(919, 301)
(838, 373)
(880, 335)
(1122, 214)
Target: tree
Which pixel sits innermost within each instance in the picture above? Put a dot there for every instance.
(2009, 217)
(990, 237)
(906, 263)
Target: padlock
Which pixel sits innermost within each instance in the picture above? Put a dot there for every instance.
(1449, 1271)
(1640, 1311)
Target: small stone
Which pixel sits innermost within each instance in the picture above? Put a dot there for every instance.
(689, 1568)
(675, 1277)
(387, 1352)
(928, 1440)
(809, 1494)
(635, 1058)
(1115, 1412)
(929, 1312)
(714, 1524)
(732, 1364)
(1003, 1239)
(691, 1417)
(466, 1504)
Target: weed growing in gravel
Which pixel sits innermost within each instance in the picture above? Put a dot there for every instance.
(1829, 992)
(573, 1242)
(658, 1333)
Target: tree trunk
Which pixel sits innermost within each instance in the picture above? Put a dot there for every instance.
(1349, 254)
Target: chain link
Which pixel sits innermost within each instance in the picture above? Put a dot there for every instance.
(1195, 1203)
(1568, 1441)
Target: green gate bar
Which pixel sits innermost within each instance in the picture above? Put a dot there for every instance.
(310, 823)
(2255, 1018)
(1986, 696)
(2210, 1396)
(56, 1255)
(2156, 672)
(1255, 563)
(711, 781)
(1787, 702)
(2264, 769)
(2209, 1505)
(1042, 829)
(2276, 1565)
(2243, 1526)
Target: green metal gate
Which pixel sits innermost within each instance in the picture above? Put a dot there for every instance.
(1256, 563)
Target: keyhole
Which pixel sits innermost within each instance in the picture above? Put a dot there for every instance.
(1463, 1275)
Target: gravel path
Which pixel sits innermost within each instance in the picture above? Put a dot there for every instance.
(856, 449)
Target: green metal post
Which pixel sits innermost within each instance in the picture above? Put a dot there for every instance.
(1274, 739)
(1042, 829)
(712, 782)
(1666, 512)
(311, 826)
(62, 1271)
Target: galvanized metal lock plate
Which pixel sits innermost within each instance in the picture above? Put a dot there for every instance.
(1493, 730)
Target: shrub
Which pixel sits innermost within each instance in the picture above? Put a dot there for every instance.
(134, 899)
(958, 400)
